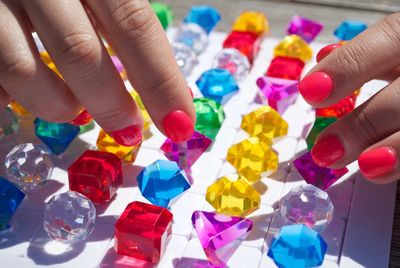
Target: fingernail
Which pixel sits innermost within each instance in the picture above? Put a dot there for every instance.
(316, 87)
(377, 162)
(83, 118)
(325, 51)
(129, 136)
(327, 151)
(178, 126)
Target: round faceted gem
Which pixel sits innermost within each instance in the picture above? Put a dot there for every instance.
(28, 166)
(231, 195)
(9, 124)
(308, 205)
(164, 13)
(185, 58)
(193, 36)
(18, 109)
(204, 16)
(69, 217)
(251, 21)
(264, 123)
(209, 117)
(298, 246)
(252, 158)
(295, 47)
(10, 198)
(234, 61)
(83, 118)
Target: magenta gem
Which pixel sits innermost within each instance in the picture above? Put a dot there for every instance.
(304, 27)
(277, 92)
(186, 153)
(117, 63)
(220, 235)
(320, 177)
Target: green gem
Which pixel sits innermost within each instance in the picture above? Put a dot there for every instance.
(8, 123)
(320, 124)
(86, 128)
(164, 13)
(210, 116)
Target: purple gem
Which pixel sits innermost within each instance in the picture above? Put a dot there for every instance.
(117, 63)
(305, 28)
(278, 93)
(186, 153)
(320, 177)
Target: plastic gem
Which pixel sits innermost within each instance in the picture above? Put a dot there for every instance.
(246, 42)
(49, 62)
(193, 36)
(118, 65)
(143, 231)
(220, 235)
(210, 116)
(146, 117)
(106, 143)
(252, 158)
(97, 175)
(162, 181)
(185, 58)
(185, 154)
(87, 127)
(298, 246)
(304, 27)
(56, 136)
(234, 61)
(293, 46)
(217, 84)
(164, 13)
(285, 67)
(18, 109)
(320, 124)
(339, 109)
(347, 30)
(251, 21)
(10, 199)
(206, 17)
(278, 93)
(83, 118)
(28, 166)
(231, 195)
(9, 124)
(264, 123)
(69, 217)
(308, 205)
(320, 177)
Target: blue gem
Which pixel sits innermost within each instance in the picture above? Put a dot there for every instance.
(297, 246)
(10, 198)
(162, 181)
(217, 84)
(56, 136)
(347, 30)
(205, 16)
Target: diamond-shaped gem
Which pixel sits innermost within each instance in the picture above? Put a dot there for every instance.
(9, 124)
(305, 28)
(339, 109)
(320, 124)
(251, 21)
(234, 61)
(285, 67)
(185, 58)
(206, 17)
(10, 199)
(163, 12)
(348, 29)
(193, 36)
(295, 47)
(210, 116)
(246, 42)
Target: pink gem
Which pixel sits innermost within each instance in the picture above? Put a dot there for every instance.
(278, 93)
(117, 63)
(318, 176)
(220, 235)
(304, 27)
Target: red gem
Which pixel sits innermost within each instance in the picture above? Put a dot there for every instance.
(142, 231)
(339, 109)
(285, 67)
(97, 175)
(246, 42)
(83, 118)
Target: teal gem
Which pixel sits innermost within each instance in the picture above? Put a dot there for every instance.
(206, 17)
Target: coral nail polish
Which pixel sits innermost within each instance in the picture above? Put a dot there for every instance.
(83, 118)
(129, 136)
(178, 126)
(377, 162)
(325, 51)
(316, 87)
(327, 151)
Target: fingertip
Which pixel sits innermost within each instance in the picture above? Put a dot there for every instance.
(178, 126)
(378, 162)
(316, 87)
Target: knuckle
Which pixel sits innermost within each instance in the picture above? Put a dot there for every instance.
(17, 70)
(350, 61)
(392, 26)
(364, 127)
(112, 115)
(162, 88)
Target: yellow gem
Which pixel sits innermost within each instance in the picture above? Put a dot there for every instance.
(295, 47)
(49, 62)
(106, 143)
(18, 109)
(265, 123)
(357, 92)
(231, 195)
(252, 158)
(146, 117)
(251, 21)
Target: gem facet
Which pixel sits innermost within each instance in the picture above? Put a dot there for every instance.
(246, 42)
(347, 30)
(251, 21)
(320, 177)
(83, 118)
(217, 84)
(164, 13)
(232, 195)
(146, 117)
(210, 116)
(293, 46)
(305, 28)
(9, 124)
(320, 124)
(285, 67)
(185, 58)
(220, 235)
(69, 217)
(297, 246)
(252, 158)
(339, 109)
(56, 136)
(143, 231)
(234, 61)
(10, 198)
(97, 175)
(18, 109)
(162, 181)
(193, 36)
(28, 166)
(206, 17)
(308, 205)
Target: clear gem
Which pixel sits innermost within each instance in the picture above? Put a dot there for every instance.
(185, 57)
(193, 36)
(10, 198)
(8, 124)
(206, 17)
(304, 27)
(348, 29)
(234, 61)
(69, 217)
